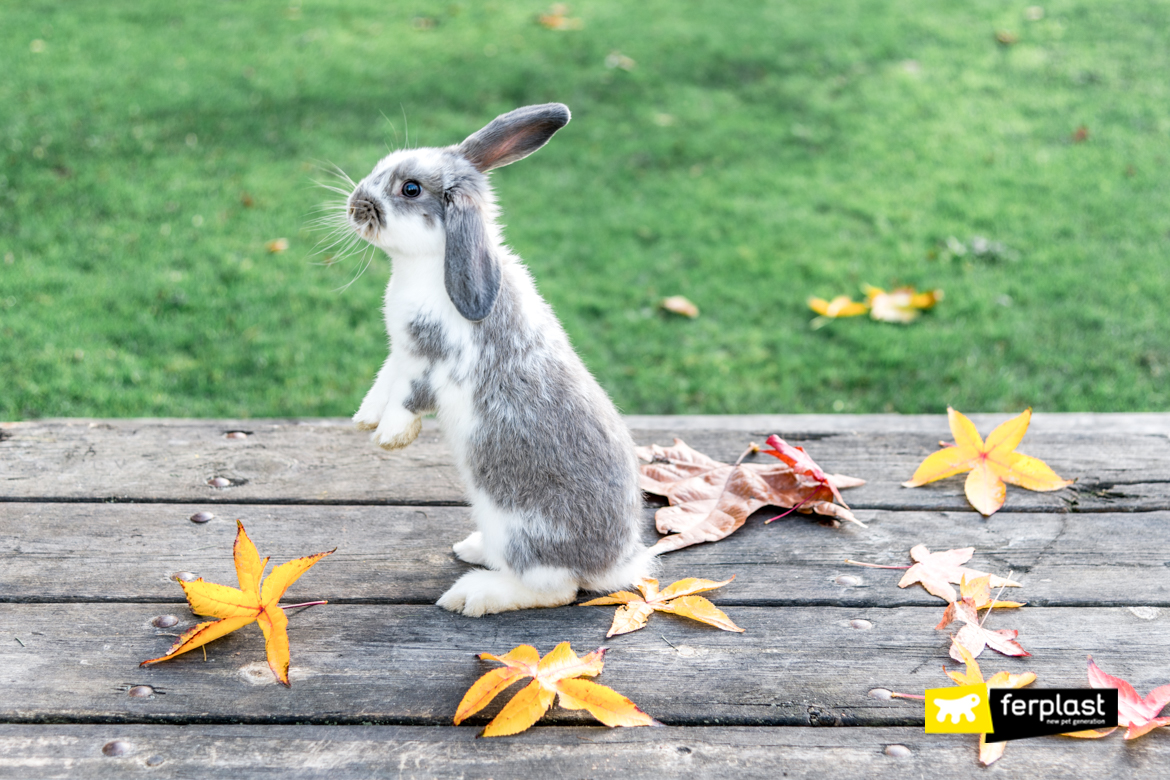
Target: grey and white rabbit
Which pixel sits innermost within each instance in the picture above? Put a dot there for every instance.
(548, 463)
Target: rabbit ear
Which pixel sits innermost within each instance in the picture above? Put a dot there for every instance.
(471, 272)
(514, 135)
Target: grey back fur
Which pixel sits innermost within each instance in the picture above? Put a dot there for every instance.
(551, 447)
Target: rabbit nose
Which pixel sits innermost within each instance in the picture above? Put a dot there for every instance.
(365, 211)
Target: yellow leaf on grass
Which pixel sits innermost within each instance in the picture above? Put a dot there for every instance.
(841, 306)
(991, 463)
(901, 305)
(557, 674)
(251, 602)
(677, 598)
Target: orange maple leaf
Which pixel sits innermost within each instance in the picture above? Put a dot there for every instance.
(936, 570)
(251, 602)
(991, 463)
(711, 500)
(988, 752)
(677, 598)
(554, 675)
(1138, 715)
(978, 593)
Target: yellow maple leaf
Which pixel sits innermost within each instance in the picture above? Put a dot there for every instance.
(557, 674)
(901, 305)
(841, 306)
(991, 463)
(988, 752)
(251, 602)
(677, 598)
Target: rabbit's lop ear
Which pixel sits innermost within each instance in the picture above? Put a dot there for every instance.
(471, 272)
(514, 135)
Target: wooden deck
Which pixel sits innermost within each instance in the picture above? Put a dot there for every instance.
(94, 521)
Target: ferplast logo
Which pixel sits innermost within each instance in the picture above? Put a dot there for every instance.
(1034, 713)
(961, 710)
(1016, 713)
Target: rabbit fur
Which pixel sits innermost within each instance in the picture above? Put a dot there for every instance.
(548, 463)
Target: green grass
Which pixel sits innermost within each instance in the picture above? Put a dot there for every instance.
(756, 154)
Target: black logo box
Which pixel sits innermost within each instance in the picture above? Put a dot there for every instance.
(1017, 713)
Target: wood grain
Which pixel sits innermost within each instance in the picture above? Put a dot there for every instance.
(127, 552)
(327, 462)
(410, 665)
(94, 521)
(376, 752)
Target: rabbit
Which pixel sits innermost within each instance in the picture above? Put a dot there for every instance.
(548, 463)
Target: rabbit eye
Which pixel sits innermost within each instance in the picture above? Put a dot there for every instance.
(411, 189)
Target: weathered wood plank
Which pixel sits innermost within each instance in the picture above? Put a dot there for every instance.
(121, 552)
(1141, 423)
(408, 665)
(325, 461)
(343, 752)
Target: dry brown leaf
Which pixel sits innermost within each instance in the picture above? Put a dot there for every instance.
(277, 245)
(711, 500)
(678, 598)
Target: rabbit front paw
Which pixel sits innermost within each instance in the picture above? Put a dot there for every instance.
(370, 414)
(397, 429)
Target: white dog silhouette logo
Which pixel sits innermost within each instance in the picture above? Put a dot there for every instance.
(963, 707)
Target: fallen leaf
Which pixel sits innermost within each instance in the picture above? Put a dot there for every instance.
(680, 305)
(802, 464)
(1005, 37)
(557, 18)
(973, 637)
(978, 593)
(555, 674)
(1139, 716)
(246, 200)
(841, 306)
(988, 753)
(936, 570)
(277, 245)
(711, 500)
(1080, 135)
(678, 598)
(901, 305)
(251, 602)
(615, 59)
(991, 463)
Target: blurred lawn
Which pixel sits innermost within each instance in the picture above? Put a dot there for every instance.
(746, 156)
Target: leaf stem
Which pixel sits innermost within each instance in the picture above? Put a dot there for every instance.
(896, 695)
(305, 604)
(994, 599)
